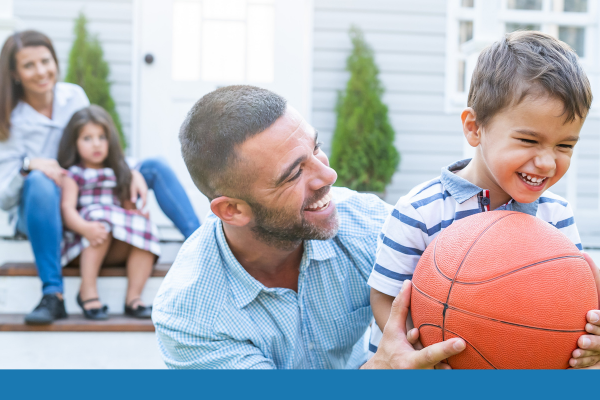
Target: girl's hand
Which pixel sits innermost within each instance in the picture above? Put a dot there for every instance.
(96, 233)
(50, 168)
(138, 187)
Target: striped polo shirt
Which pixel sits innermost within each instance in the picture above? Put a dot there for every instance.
(429, 208)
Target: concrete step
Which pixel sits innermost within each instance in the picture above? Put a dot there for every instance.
(77, 323)
(79, 350)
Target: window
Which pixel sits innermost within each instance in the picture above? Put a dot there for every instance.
(224, 41)
(473, 25)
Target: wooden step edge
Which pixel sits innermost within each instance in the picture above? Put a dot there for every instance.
(76, 323)
(29, 269)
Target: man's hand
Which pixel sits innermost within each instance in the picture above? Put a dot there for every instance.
(138, 188)
(588, 353)
(50, 168)
(396, 350)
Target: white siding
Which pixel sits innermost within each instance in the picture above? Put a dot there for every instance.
(111, 20)
(409, 39)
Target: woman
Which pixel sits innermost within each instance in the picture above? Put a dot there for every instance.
(34, 109)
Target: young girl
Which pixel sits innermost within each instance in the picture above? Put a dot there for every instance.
(102, 226)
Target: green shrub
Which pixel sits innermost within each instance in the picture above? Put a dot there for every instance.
(363, 152)
(88, 69)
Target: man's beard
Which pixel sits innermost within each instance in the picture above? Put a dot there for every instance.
(285, 229)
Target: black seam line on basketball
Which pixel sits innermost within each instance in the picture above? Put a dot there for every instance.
(494, 319)
(460, 266)
(466, 341)
(508, 273)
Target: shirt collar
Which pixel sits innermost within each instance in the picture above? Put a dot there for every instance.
(462, 190)
(244, 287)
(61, 97)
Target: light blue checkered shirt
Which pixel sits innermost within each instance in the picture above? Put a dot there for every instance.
(210, 313)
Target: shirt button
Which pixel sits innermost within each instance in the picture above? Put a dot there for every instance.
(311, 346)
(485, 201)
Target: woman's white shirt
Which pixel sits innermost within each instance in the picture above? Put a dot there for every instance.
(34, 135)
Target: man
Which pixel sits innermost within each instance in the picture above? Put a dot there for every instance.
(277, 277)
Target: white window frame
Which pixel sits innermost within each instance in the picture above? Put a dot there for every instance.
(489, 24)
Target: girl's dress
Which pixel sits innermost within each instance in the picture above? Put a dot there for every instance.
(97, 202)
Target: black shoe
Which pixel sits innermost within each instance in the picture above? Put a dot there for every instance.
(141, 312)
(98, 314)
(50, 308)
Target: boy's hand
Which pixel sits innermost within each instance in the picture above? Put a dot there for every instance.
(396, 349)
(588, 353)
(96, 233)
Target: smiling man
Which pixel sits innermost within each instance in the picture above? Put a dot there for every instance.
(277, 276)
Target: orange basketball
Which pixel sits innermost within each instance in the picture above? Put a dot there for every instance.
(511, 285)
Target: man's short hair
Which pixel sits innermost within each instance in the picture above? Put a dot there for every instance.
(525, 63)
(216, 124)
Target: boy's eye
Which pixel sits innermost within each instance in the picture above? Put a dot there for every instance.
(566, 146)
(528, 141)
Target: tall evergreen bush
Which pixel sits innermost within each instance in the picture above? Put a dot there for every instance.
(88, 69)
(363, 152)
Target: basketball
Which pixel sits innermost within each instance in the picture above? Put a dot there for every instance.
(511, 285)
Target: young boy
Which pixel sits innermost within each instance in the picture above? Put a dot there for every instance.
(527, 103)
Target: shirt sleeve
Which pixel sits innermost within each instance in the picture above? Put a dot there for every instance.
(399, 247)
(11, 181)
(566, 224)
(182, 349)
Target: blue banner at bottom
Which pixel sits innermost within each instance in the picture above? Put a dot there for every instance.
(242, 385)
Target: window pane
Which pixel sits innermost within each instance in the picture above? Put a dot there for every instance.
(465, 31)
(513, 26)
(460, 87)
(574, 37)
(223, 51)
(576, 5)
(467, 3)
(524, 4)
(261, 43)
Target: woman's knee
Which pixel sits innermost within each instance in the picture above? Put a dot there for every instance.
(156, 163)
(38, 185)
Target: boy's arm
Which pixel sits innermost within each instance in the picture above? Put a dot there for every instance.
(381, 304)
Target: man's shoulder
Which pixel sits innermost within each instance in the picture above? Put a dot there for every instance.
(195, 288)
(359, 213)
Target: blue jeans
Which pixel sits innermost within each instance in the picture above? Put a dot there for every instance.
(40, 218)
(171, 196)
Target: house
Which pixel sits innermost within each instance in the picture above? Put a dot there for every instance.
(165, 54)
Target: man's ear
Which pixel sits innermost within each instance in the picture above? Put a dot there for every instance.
(231, 211)
(471, 128)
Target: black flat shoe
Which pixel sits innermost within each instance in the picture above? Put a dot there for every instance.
(141, 312)
(98, 314)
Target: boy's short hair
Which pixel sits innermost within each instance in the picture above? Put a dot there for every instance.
(522, 64)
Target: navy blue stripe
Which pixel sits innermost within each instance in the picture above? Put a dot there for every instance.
(564, 223)
(391, 274)
(401, 249)
(579, 246)
(372, 348)
(436, 182)
(465, 214)
(431, 199)
(409, 221)
(442, 225)
(549, 200)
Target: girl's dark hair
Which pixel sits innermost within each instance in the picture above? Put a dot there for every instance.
(10, 91)
(69, 156)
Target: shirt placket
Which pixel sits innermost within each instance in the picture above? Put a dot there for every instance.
(484, 200)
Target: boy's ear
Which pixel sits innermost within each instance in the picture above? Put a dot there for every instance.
(471, 129)
(231, 211)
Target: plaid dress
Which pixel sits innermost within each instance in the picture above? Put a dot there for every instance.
(97, 202)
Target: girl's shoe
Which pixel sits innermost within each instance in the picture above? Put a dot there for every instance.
(142, 312)
(97, 314)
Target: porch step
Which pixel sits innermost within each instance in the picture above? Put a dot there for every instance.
(29, 269)
(76, 323)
